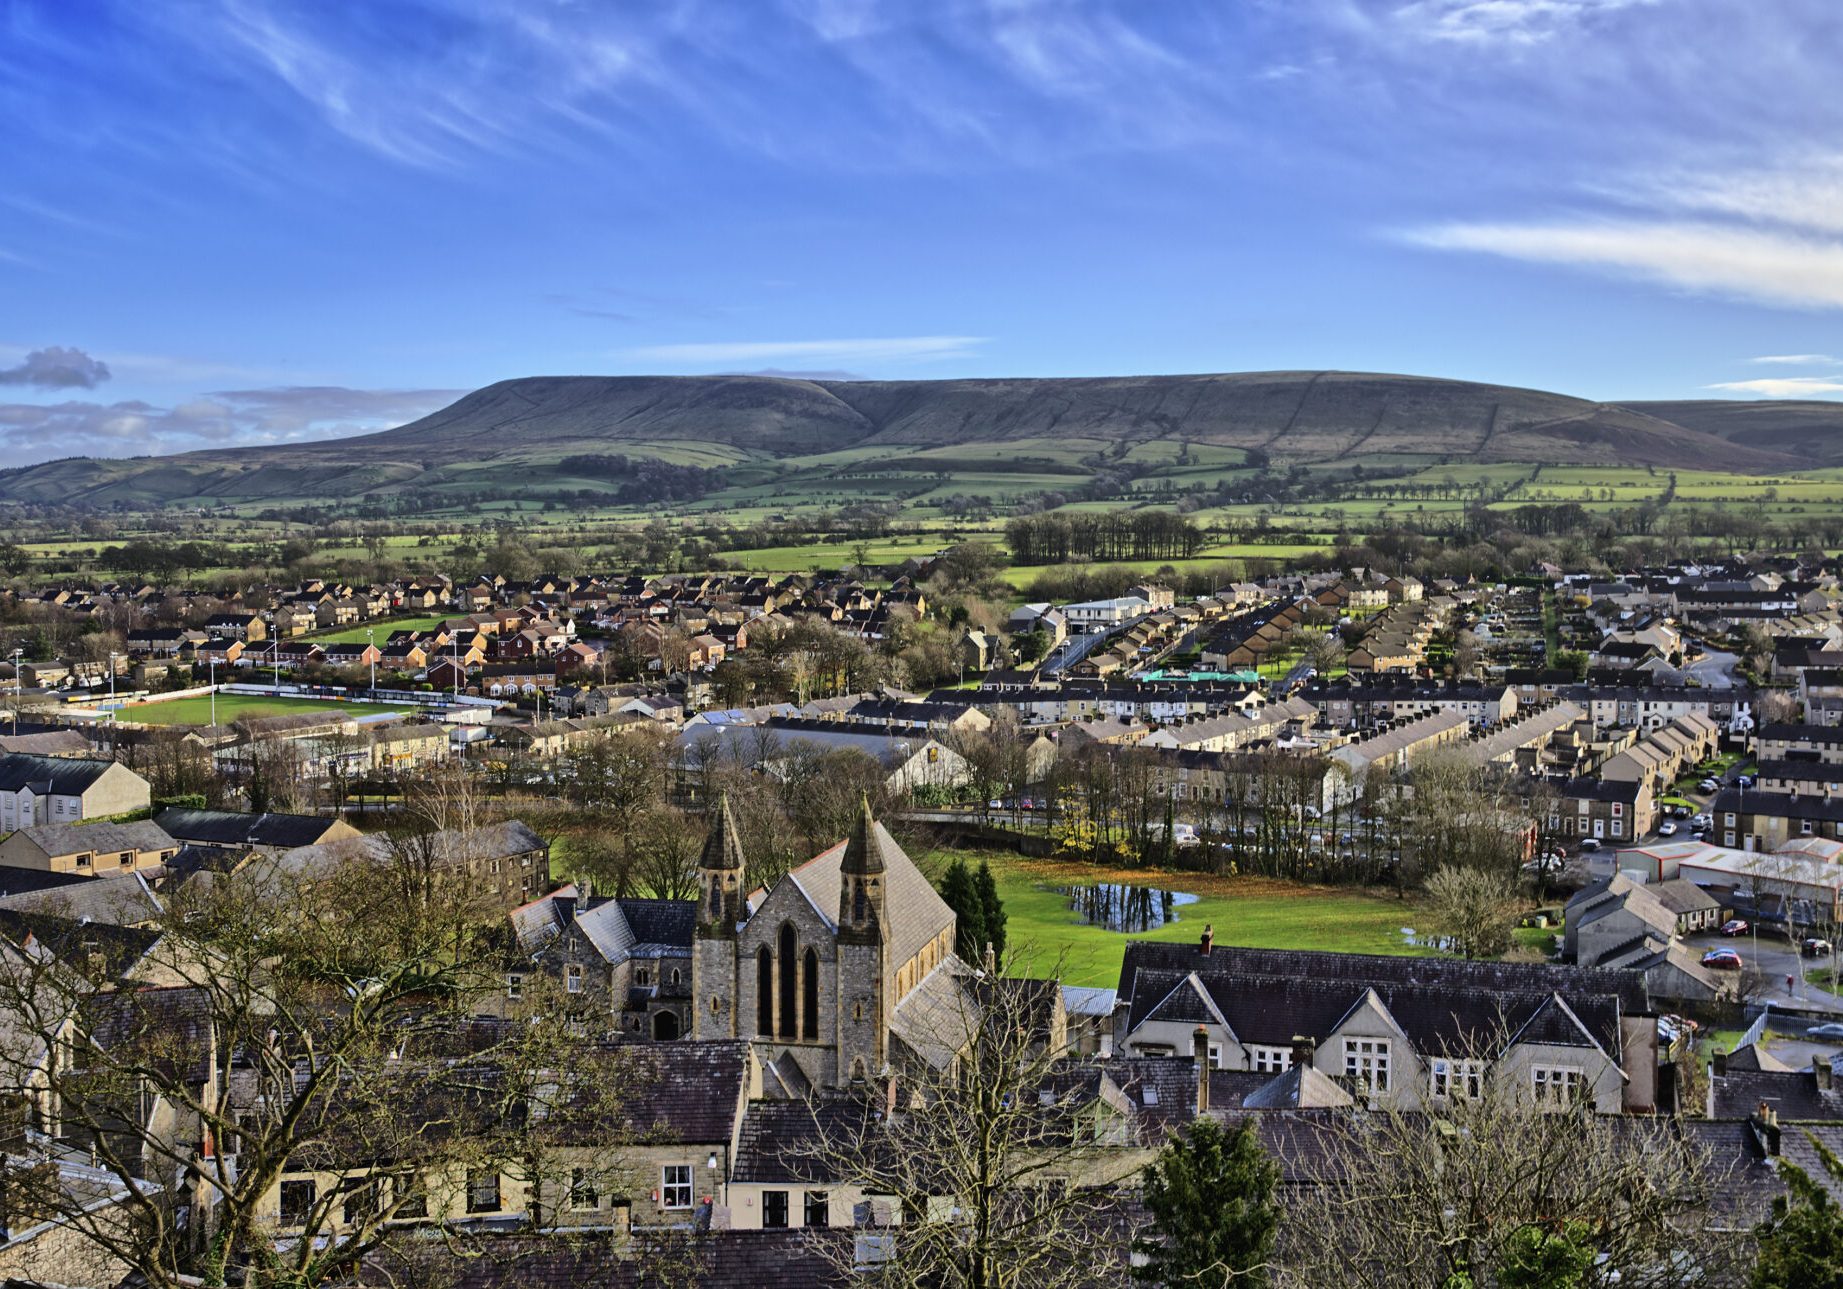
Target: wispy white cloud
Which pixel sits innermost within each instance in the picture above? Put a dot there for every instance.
(891, 349)
(1797, 360)
(1784, 386)
(1739, 262)
(1507, 22)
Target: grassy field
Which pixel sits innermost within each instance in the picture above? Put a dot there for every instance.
(381, 629)
(1254, 911)
(231, 707)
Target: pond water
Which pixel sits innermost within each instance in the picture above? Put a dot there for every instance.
(1118, 906)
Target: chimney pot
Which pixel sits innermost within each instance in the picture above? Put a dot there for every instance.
(1305, 1048)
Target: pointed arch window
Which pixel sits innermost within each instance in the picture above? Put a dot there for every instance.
(809, 996)
(789, 956)
(764, 992)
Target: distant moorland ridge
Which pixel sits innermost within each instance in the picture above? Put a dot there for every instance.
(543, 431)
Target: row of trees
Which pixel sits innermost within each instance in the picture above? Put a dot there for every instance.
(1058, 538)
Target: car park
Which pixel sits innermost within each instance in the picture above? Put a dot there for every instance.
(1735, 926)
(1722, 960)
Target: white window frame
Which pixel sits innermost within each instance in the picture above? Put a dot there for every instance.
(1557, 1086)
(572, 978)
(1368, 1060)
(1448, 1078)
(675, 1186)
(1270, 1060)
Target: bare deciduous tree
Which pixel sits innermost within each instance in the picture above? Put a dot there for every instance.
(1403, 1200)
(1000, 1170)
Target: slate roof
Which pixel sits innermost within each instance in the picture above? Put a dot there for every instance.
(237, 827)
(1301, 1087)
(1378, 969)
(936, 1018)
(1791, 1094)
(67, 776)
(72, 940)
(120, 899)
(665, 923)
(31, 881)
(102, 838)
(913, 912)
(781, 1141)
(1443, 1005)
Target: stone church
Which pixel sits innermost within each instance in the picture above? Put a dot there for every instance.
(841, 971)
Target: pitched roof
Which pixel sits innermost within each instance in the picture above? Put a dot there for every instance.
(236, 827)
(66, 776)
(76, 839)
(1300, 1087)
(914, 913)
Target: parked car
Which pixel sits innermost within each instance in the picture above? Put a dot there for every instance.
(1743, 780)
(1829, 1029)
(1666, 829)
(1703, 820)
(1722, 960)
(1680, 812)
(1814, 946)
(1708, 785)
(1735, 926)
(1589, 844)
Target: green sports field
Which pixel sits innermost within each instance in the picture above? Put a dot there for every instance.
(1255, 911)
(231, 707)
(380, 629)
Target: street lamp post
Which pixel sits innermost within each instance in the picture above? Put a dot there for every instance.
(18, 693)
(212, 663)
(372, 652)
(112, 657)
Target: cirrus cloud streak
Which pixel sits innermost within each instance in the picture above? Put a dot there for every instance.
(1759, 265)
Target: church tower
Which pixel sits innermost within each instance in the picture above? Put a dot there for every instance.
(863, 949)
(722, 901)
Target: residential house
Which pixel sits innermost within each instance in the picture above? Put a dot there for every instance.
(1419, 1032)
(270, 833)
(65, 789)
(92, 850)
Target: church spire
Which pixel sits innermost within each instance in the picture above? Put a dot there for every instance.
(862, 873)
(722, 847)
(720, 876)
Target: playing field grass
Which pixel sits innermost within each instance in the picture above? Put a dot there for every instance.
(381, 629)
(1255, 911)
(231, 707)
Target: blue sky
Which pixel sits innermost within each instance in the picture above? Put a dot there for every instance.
(243, 221)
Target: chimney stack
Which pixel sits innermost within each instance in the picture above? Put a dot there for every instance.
(1209, 938)
(1305, 1048)
(1199, 1052)
(1820, 1070)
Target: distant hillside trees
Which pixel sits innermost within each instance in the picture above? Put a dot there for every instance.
(642, 479)
(1141, 534)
